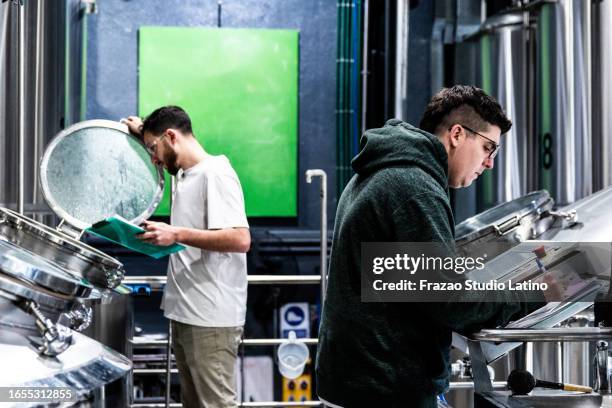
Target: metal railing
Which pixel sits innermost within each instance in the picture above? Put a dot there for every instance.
(158, 282)
(571, 334)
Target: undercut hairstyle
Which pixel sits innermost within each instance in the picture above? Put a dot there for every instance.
(167, 117)
(463, 105)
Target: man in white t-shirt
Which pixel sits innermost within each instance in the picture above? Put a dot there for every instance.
(205, 297)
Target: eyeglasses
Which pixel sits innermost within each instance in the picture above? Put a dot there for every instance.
(493, 150)
(152, 146)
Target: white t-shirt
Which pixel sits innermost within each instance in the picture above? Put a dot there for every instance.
(207, 288)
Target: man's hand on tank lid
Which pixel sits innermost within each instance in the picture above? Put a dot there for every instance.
(134, 124)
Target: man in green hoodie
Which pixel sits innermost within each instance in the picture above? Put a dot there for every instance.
(397, 354)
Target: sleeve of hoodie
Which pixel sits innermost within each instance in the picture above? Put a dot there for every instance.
(427, 216)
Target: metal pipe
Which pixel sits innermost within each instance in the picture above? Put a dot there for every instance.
(276, 342)
(244, 404)
(364, 68)
(604, 90)
(245, 342)
(168, 369)
(21, 114)
(282, 404)
(38, 101)
(155, 405)
(323, 259)
(285, 279)
(156, 282)
(578, 334)
(68, 120)
(152, 371)
(469, 385)
(401, 57)
(5, 33)
(587, 150)
(566, 180)
(387, 51)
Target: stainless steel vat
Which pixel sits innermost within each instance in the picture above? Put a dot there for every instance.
(503, 66)
(61, 248)
(89, 171)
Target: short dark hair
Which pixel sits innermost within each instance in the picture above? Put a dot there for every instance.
(465, 105)
(167, 117)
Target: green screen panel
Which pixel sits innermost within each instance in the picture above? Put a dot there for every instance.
(239, 87)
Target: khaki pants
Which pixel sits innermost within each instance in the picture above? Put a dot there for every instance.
(206, 360)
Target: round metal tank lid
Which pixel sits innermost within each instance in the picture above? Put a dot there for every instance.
(517, 208)
(96, 169)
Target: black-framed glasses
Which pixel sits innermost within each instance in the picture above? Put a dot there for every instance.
(492, 150)
(152, 146)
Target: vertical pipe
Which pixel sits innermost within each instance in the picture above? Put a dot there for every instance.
(168, 364)
(83, 104)
(602, 124)
(5, 194)
(606, 88)
(529, 357)
(339, 137)
(401, 57)
(355, 59)
(525, 147)
(21, 119)
(566, 180)
(68, 118)
(587, 150)
(545, 112)
(561, 352)
(38, 99)
(323, 258)
(364, 70)
(386, 63)
(347, 88)
(169, 344)
(530, 86)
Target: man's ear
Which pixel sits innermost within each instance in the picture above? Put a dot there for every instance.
(455, 135)
(171, 136)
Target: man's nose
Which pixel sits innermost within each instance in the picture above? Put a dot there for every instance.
(155, 160)
(488, 163)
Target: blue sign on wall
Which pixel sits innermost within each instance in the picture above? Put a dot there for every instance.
(295, 317)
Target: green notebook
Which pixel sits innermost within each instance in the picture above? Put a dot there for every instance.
(122, 232)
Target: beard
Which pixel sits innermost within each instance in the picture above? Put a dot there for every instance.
(170, 161)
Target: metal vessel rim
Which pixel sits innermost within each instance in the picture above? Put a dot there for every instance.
(95, 123)
(79, 248)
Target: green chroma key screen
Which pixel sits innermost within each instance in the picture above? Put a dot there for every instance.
(240, 87)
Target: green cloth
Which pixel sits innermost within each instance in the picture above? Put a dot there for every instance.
(383, 354)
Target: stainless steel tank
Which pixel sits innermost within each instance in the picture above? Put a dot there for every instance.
(564, 104)
(51, 43)
(37, 299)
(602, 93)
(90, 171)
(539, 63)
(504, 60)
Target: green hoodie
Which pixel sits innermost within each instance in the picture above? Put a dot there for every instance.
(386, 354)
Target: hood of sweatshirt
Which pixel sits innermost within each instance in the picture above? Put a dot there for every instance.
(399, 144)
